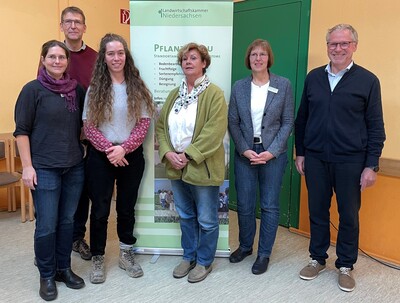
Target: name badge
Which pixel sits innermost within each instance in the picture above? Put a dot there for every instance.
(272, 89)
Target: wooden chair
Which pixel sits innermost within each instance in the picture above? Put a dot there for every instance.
(17, 169)
(9, 179)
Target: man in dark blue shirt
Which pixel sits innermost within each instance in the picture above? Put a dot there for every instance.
(339, 133)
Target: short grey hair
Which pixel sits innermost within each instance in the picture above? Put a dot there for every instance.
(342, 27)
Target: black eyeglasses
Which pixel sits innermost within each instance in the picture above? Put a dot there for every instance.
(68, 23)
(343, 45)
(54, 58)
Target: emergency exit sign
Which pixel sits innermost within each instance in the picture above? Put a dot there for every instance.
(124, 16)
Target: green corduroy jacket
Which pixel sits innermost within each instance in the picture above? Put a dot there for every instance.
(206, 149)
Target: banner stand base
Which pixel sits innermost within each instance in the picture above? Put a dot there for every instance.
(154, 259)
(171, 252)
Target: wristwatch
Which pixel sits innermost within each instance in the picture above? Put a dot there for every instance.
(188, 157)
(374, 168)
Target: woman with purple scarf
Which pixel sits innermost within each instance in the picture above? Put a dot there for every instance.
(48, 126)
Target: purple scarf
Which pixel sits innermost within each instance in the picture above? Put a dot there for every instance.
(65, 86)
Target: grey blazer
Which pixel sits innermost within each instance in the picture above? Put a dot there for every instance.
(277, 122)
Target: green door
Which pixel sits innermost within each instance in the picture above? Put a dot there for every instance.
(285, 24)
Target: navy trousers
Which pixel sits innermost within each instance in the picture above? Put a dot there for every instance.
(322, 179)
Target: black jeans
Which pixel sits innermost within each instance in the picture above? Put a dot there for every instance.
(322, 178)
(101, 175)
(82, 213)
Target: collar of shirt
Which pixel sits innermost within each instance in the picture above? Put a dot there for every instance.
(83, 47)
(335, 78)
(341, 73)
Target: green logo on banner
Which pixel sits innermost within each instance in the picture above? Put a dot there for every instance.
(174, 13)
(188, 13)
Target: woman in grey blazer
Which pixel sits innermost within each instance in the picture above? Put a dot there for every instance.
(260, 120)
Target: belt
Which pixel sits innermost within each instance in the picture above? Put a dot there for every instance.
(257, 140)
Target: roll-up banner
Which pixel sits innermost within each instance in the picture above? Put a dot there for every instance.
(158, 29)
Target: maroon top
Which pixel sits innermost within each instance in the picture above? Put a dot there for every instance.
(81, 65)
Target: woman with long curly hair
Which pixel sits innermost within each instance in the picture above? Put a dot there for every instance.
(117, 116)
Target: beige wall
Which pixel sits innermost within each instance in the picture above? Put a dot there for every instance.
(28, 24)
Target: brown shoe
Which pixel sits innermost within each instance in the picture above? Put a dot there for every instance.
(312, 270)
(183, 268)
(346, 281)
(81, 247)
(199, 273)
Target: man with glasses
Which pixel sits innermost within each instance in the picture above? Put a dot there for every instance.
(82, 60)
(82, 57)
(339, 135)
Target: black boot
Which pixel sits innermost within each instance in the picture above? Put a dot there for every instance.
(69, 278)
(48, 289)
(260, 266)
(238, 255)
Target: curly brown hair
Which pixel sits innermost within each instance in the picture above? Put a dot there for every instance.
(101, 92)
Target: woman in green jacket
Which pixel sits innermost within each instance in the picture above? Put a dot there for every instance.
(190, 133)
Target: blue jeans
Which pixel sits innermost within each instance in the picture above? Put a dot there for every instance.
(55, 198)
(267, 178)
(197, 207)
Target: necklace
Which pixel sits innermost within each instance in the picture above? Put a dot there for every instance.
(259, 83)
(260, 79)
